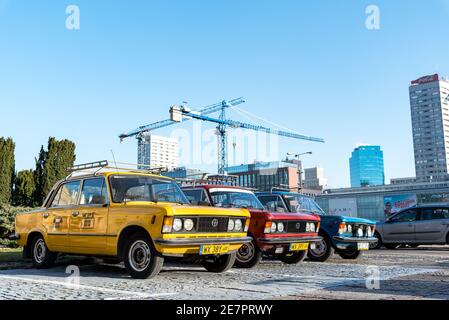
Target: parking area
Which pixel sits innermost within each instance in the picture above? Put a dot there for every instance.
(421, 273)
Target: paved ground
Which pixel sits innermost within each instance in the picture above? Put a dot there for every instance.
(421, 273)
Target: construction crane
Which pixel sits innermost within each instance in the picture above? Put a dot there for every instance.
(179, 113)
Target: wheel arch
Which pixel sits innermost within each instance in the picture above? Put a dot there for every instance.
(126, 233)
(30, 238)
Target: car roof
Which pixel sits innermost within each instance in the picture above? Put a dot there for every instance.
(211, 186)
(115, 173)
(273, 193)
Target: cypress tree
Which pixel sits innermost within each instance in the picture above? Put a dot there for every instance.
(7, 164)
(24, 188)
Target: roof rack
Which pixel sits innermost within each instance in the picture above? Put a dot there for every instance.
(229, 180)
(104, 164)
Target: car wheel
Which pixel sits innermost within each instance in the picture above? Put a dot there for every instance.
(294, 257)
(390, 246)
(141, 259)
(323, 250)
(41, 256)
(447, 238)
(376, 245)
(219, 264)
(350, 254)
(248, 256)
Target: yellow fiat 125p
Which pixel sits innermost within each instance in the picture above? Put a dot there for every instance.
(132, 216)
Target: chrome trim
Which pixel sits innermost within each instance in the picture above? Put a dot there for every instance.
(199, 241)
(285, 240)
(354, 239)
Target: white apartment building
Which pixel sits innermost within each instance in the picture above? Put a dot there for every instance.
(429, 103)
(314, 178)
(157, 151)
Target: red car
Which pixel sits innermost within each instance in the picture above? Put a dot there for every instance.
(282, 235)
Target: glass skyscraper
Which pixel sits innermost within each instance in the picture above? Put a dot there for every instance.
(367, 166)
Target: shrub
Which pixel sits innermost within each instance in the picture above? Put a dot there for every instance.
(7, 218)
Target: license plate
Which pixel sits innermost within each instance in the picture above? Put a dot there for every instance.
(214, 249)
(363, 246)
(299, 246)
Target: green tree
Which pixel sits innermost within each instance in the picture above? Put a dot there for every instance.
(39, 194)
(59, 157)
(24, 188)
(7, 164)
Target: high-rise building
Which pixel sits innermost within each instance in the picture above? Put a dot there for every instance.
(367, 166)
(157, 151)
(429, 103)
(314, 178)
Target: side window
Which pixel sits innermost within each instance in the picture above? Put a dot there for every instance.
(406, 216)
(273, 203)
(196, 196)
(67, 195)
(440, 213)
(94, 192)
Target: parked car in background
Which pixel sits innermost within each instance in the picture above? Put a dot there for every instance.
(415, 226)
(280, 235)
(136, 217)
(347, 236)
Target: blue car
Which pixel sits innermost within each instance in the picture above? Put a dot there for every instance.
(346, 236)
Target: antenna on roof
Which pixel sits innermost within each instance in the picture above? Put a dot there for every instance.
(113, 158)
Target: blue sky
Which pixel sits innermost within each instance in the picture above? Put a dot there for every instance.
(309, 66)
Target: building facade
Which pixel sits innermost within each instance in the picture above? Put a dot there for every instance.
(157, 151)
(367, 166)
(377, 202)
(429, 104)
(185, 173)
(264, 176)
(314, 178)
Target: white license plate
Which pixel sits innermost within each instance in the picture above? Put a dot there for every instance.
(363, 246)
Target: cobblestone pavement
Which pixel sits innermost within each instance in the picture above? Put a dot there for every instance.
(403, 274)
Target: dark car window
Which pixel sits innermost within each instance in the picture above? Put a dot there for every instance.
(195, 196)
(273, 203)
(434, 213)
(406, 216)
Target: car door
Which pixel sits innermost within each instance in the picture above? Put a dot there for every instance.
(89, 221)
(432, 226)
(401, 227)
(56, 218)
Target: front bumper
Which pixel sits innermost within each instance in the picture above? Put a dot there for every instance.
(14, 236)
(286, 240)
(200, 241)
(354, 239)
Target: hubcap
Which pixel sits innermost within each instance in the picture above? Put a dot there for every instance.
(320, 249)
(139, 255)
(40, 251)
(246, 252)
(374, 244)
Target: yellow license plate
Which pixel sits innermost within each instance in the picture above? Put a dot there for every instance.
(214, 249)
(299, 246)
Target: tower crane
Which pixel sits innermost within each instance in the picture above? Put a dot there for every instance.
(179, 113)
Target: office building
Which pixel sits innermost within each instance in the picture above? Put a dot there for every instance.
(367, 166)
(314, 178)
(429, 104)
(157, 151)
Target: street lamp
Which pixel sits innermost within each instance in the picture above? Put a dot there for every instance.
(297, 155)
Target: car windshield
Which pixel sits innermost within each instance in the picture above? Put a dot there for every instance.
(127, 188)
(298, 203)
(229, 198)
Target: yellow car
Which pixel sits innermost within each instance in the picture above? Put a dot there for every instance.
(130, 216)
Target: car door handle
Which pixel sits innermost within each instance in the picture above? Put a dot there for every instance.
(75, 214)
(45, 215)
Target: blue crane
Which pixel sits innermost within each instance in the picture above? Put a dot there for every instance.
(178, 114)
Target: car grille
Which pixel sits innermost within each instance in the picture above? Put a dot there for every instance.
(364, 228)
(296, 226)
(213, 224)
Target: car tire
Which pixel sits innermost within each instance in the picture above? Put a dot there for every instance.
(41, 256)
(376, 245)
(294, 257)
(248, 256)
(141, 259)
(390, 246)
(324, 250)
(219, 264)
(447, 238)
(350, 254)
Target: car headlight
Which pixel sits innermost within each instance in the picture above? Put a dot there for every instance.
(280, 227)
(238, 225)
(359, 232)
(349, 229)
(273, 227)
(177, 225)
(188, 224)
(231, 225)
(342, 228)
(312, 227)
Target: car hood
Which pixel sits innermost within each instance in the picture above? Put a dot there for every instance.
(347, 219)
(207, 211)
(292, 216)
